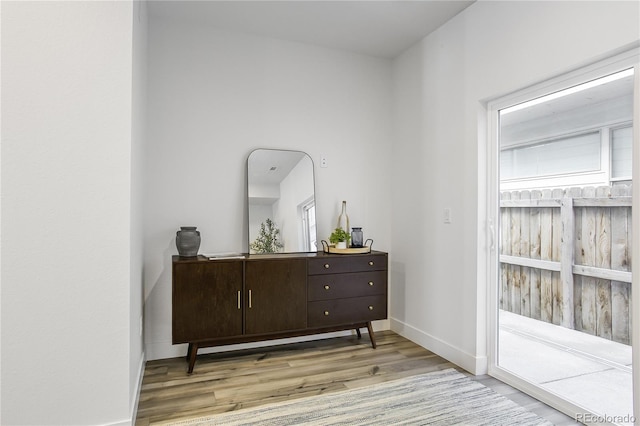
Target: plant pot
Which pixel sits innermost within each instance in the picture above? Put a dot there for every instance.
(341, 245)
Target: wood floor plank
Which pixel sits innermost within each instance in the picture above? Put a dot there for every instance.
(175, 404)
(241, 379)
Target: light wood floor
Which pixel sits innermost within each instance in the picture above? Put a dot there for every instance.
(234, 380)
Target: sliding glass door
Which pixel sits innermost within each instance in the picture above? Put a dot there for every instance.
(561, 275)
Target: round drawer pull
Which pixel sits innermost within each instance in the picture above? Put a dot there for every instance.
(326, 287)
(371, 263)
(370, 308)
(326, 266)
(326, 313)
(371, 283)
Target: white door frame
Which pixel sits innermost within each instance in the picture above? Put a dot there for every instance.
(625, 60)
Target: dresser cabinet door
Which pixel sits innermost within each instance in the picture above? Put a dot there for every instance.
(206, 300)
(276, 291)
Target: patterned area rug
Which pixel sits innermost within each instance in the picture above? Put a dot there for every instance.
(444, 397)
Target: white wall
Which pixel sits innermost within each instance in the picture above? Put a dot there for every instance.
(215, 96)
(66, 213)
(438, 293)
(138, 140)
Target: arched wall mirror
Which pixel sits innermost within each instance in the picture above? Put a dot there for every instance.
(282, 205)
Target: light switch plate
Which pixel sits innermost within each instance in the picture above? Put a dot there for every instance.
(447, 215)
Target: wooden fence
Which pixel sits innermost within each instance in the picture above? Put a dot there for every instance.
(565, 258)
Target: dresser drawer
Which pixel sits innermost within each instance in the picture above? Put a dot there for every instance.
(337, 286)
(347, 311)
(347, 263)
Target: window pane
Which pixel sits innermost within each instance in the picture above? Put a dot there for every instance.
(561, 156)
(621, 143)
(313, 245)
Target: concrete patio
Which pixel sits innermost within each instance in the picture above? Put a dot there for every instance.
(589, 371)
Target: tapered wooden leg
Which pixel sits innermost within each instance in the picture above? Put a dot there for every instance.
(371, 336)
(192, 353)
(358, 333)
(189, 351)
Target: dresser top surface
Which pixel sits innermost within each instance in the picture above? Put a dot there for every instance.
(252, 257)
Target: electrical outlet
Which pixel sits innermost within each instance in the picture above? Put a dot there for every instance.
(323, 161)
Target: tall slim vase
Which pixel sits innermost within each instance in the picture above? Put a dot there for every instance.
(343, 219)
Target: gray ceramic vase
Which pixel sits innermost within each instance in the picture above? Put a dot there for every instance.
(188, 241)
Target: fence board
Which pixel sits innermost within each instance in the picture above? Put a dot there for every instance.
(577, 281)
(568, 226)
(546, 253)
(603, 260)
(588, 258)
(515, 251)
(547, 265)
(531, 203)
(620, 295)
(505, 248)
(525, 244)
(603, 201)
(556, 277)
(534, 250)
(580, 270)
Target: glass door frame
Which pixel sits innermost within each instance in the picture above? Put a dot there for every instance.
(629, 58)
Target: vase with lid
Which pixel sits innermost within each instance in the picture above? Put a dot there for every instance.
(356, 238)
(188, 241)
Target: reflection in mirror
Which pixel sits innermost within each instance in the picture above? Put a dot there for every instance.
(280, 188)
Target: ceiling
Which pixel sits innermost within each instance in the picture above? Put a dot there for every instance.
(377, 28)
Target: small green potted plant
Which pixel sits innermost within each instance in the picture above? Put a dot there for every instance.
(340, 238)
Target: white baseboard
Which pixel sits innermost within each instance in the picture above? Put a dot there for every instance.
(136, 394)
(122, 423)
(473, 364)
(131, 421)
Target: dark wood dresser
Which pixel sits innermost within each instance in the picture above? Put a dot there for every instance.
(262, 297)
